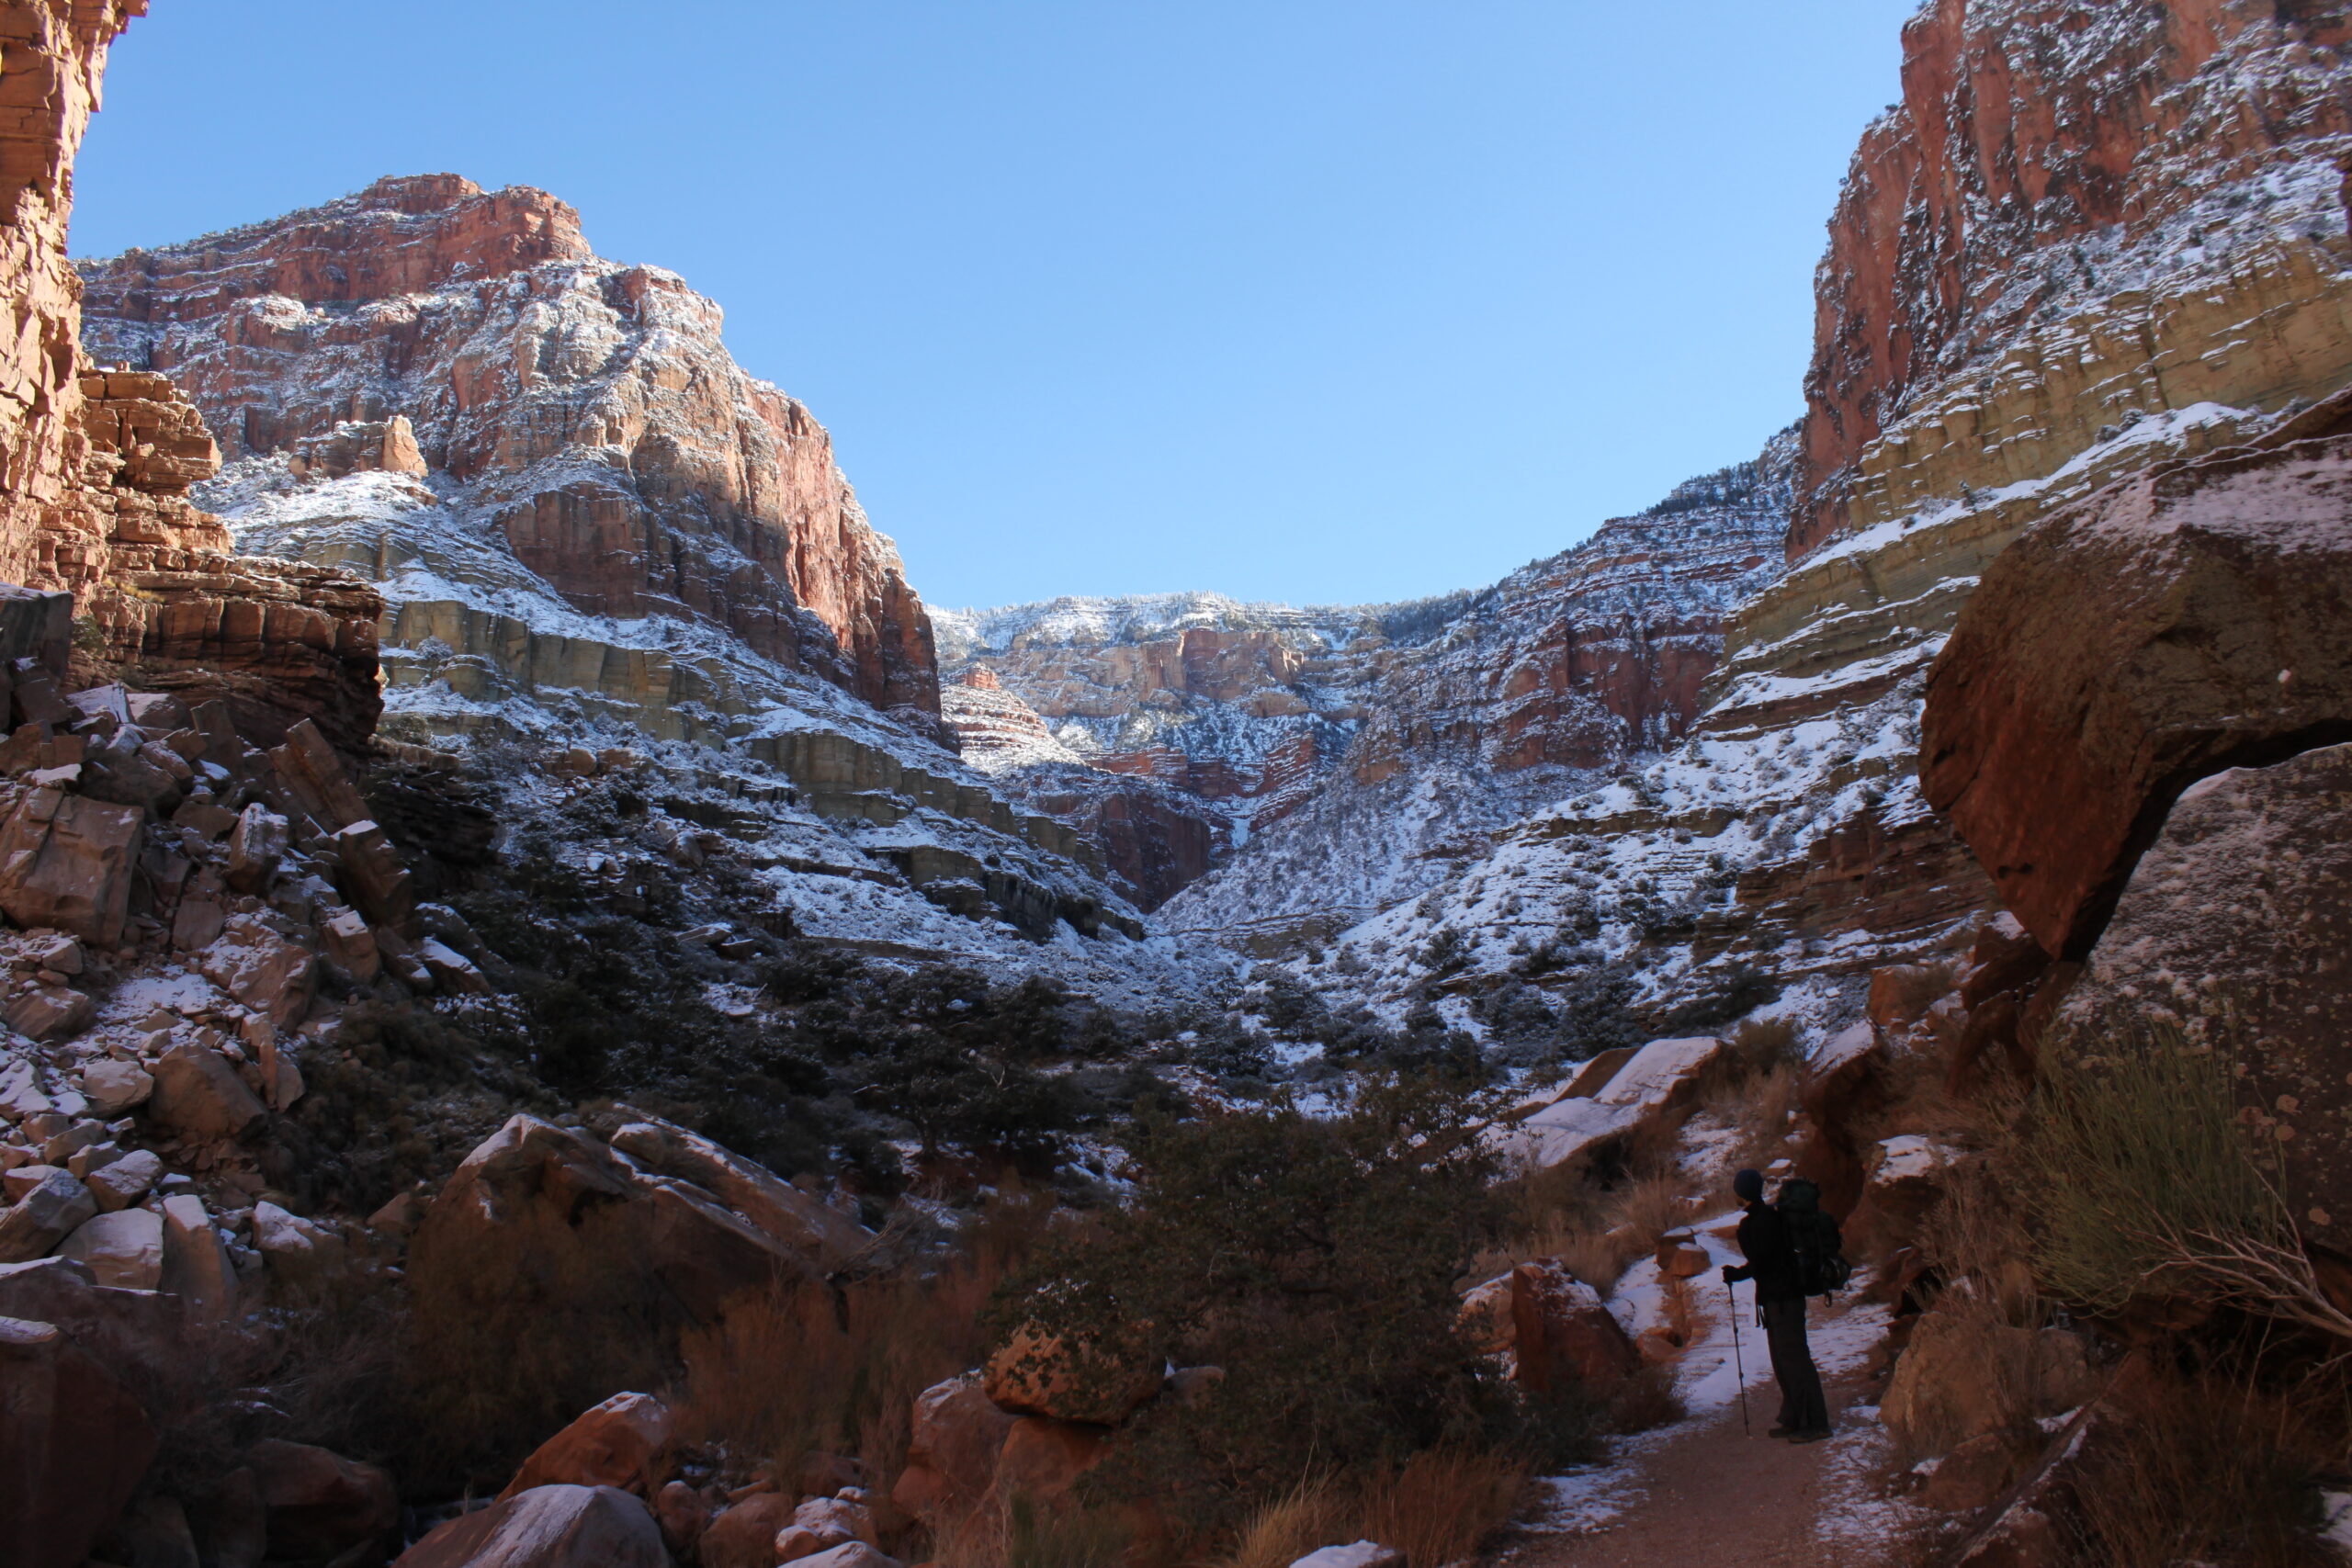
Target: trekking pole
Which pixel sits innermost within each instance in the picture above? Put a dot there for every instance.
(1739, 1371)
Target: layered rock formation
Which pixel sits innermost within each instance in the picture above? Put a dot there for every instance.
(1356, 751)
(581, 413)
(2076, 217)
(2087, 244)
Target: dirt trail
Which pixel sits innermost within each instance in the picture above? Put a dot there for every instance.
(1707, 1496)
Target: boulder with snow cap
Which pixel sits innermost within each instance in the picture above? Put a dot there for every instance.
(300, 1253)
(262, 969)
(123, 1249)
(550, 1527)
(1362, 1555)
(849, 1554)
(1562, 1332)
(1656, 1084)
(611, 1444)
(123, 1182)
(777, 1207)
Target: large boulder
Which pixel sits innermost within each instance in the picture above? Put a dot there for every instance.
(74, 1444)
(66, 862)
(1656, 1084)
(197, 1093)
(1034, 1373)
(533, 1185)
(319, 1503)
(958, 1434)
(611, 1444)
(53, 1209)
(1562, 1332)
(1042, 1460)
(744, 1535)
(124, 1249)
(2241, 911)
(2197, 618)
(822, 1233)
(1963, 1374)
(549, 1527)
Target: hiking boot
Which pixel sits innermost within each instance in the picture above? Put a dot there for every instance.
(1813, 1435)
(1782, 1432)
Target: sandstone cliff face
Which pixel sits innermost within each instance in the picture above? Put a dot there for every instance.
(2091, 241)
(2078, 215)
(581, 413)
(55, 53)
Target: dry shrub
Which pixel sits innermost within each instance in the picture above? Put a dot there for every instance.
(810, 1367)
(1647, 1399)
(1440, 1506)
(2205, 1470)
(1598, 1258)
(1315, 1512)
(1655, 1205)
(517, 1329)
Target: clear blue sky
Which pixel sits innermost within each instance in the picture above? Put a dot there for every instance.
(1322, 300)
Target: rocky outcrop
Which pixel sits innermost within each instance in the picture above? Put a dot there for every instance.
(2073, 220)
(2192, 618)
(583, 411)
(2237, 928)
(56, 55)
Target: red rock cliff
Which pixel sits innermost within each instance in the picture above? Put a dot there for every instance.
(588, 408)
(52, 54)
(2047, 165)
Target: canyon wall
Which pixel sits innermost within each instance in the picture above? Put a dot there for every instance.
(583, 412)
(2090, 242)
(2076, 215)
(1348, 753)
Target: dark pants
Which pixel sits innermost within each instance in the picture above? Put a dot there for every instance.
(1802, 1406)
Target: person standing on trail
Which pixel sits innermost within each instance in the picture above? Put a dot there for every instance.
(1772, 1264)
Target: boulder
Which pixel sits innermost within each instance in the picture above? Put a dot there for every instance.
(680, 1513)
(74, 1444)
(743, 1536)
(1971, 1475)
(128, 1331)
(113, 1087)
(1900, 994)
(20, 1091)
(551, 1527)
(1563, 1334)
(1486, 1317)
(256, 845)
(1362, 1555)
(319, 1503)
(818, 1231)
(850, 1554)
(1963, 1374)
(957, 1434)
(532, 1180)
(2235, 928)
(54, 1208)
(1655, 1085)
(127, 1181)
(1044, 1375)
(1043, 1459)
(66, 862)
(199, 1094)
(836, 1516)
(196, 1264)
(2195, 619)
(262, 969)
(301, 1254)
(51, 1012)
(351, 947)
(124, 1249)
(611, 1444)
(372, 876)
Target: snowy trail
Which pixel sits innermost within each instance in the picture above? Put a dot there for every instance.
(1703, 1491)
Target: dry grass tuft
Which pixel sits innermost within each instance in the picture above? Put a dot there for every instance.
(1655, 1205)
(2206, 1471)
(1440, 1506)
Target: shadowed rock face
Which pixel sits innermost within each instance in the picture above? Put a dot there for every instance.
(2168, 628)
(2006, 264)
(588, 410)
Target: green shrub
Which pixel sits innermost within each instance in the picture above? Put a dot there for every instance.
(1315, 1260)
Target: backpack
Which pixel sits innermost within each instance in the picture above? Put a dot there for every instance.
(1813, 1235)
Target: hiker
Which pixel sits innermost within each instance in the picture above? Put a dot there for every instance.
(1772, 1263)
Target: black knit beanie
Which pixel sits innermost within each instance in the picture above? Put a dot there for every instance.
(1749, 1185)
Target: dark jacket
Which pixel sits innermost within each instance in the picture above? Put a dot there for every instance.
(1771, 1257)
